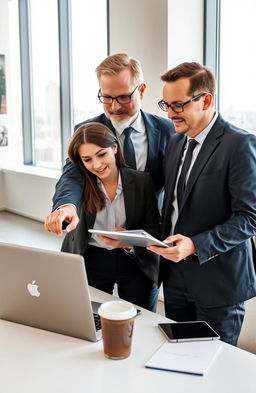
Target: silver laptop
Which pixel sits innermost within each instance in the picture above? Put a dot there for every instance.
(47, 290)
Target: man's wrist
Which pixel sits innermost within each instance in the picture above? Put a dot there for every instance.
(192, 257)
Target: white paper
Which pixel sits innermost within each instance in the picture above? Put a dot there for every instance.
(137, 237)
(188, 357)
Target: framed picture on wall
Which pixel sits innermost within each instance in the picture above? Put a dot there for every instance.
(3, 131)
(3, 106)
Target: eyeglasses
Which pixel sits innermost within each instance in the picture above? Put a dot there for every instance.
(123, 99)
(179, 107)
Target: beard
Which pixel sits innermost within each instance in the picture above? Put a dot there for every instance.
(121, 124)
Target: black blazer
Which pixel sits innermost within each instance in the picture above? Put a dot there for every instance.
(218, 212)
(141, 213)
(70, 186)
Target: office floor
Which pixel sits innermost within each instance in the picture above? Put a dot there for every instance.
(24, 231)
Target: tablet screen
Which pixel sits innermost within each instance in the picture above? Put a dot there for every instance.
(188, 330)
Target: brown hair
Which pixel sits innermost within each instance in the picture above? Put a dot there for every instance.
(201, 78)
(114, 64)
(100, 135)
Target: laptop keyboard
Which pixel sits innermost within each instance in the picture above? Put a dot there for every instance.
(97, 321)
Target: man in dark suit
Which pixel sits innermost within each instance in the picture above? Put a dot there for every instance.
(121, 89)
(209, 212)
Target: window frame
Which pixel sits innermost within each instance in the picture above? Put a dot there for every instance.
(65, 64)
(212, 40)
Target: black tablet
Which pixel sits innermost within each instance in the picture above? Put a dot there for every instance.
(188, 331)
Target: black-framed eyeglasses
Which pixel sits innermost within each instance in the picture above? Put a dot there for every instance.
(123, 99)
(179, 107)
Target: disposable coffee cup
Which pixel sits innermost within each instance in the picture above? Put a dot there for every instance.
(117, 319)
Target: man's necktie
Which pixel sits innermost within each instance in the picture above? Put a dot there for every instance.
(185, 167)
(129, 152)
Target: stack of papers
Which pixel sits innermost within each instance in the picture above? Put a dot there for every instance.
(188, 357)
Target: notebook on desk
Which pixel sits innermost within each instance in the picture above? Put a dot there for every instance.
(193, 357)
(47, 290)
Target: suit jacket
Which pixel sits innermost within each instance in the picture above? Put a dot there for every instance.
(141, 212)
(218, 213)
(70, 186)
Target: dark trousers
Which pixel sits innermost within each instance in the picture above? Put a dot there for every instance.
(105, 268)
(180, 306)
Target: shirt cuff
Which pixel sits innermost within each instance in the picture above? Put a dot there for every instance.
(129, 251)
(66, 204)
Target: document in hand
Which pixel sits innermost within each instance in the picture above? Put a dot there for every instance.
(188, 357)
(137, 237)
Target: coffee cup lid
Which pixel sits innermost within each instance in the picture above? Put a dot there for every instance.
(117, 310)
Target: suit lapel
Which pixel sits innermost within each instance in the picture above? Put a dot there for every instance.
(172, 164)
(152, 137)
(129, 196)
(174, 155)
(108, 123)
(82, 236)
(209, 146)
(90, 219)
(129, 200)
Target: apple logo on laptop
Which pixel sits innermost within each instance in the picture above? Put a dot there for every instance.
(33, 288)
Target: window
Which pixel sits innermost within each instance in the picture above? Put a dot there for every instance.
(60, 49)
(229, 51)
(237, 65)
(45, 82)
(89, 48)
(14, 116)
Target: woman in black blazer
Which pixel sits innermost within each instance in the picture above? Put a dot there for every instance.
(115, 197)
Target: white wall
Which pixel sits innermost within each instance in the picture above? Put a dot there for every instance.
(139, 28)
(27, 194)
(185, 31)
(161, 34)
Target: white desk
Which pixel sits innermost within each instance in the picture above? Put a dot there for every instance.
(37, 361)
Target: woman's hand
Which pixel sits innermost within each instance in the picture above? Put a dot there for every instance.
(113, 242)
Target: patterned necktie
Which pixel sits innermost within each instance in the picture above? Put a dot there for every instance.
(129, 152)
(185, 167)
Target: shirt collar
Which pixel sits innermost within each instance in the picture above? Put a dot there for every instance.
(137, 125)
(118, 190)
(200, 138)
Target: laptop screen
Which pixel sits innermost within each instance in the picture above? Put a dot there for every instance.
(47, 290)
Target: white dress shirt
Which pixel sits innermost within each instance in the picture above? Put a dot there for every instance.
(111, 216)
(139, 140)
(200, 138)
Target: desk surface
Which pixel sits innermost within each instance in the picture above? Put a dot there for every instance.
(37, 361)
